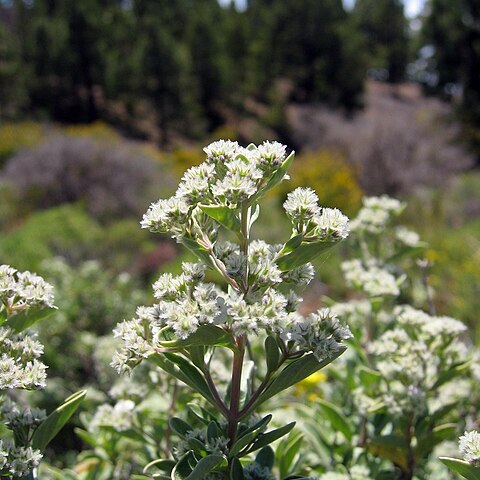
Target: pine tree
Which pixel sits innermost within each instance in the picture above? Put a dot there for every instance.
(384, 25)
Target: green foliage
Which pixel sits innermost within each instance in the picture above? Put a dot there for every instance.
(384, 25)
(65, 231)
(451, 29)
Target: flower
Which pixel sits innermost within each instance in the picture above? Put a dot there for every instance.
(469, 446)
(301, 206)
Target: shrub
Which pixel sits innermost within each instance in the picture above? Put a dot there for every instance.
(106, 177)
(62, 231)
(396, 144)
(17, 136)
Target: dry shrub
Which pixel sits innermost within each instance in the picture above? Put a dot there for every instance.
(401, 140)
(111, 179)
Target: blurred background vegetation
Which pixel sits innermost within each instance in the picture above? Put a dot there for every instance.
(104, 104)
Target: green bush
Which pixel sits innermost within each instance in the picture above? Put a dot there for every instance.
(66, 231)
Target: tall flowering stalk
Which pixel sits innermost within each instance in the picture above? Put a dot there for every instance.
(25, 298)
(194, 321)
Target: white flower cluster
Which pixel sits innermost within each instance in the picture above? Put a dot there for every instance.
(376, 214)
(469, 446)
(370, 278)
(186, 303)
(20, 291)
(313, 221)
(120, 417)
(407, 237)
(19, 364)
(231, 176)
(17, 461)
(412, 356)
(320, 332)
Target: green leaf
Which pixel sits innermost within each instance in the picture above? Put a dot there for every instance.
(236, 472)
(292, 244)
(454, 371)
(390, 447)
(295, 372)
(198, 250)
(254, 216)
(179, 426)
(200, 413)
(3, 314)
(185, 372)
(266, 457)
(289, 448)
(205, 466)
(461, 467)
(303, 254)
(242, 442)
(272, 353)
(213, 432)
(197, 354)
(336, 418)
(429, 441)
(265, 439)
(223, 215)
(49, 428)
(205, 335)
(86, 437)
(160, 464)
(257, 426)
(23, 320)
(368, 376)
(184, 467)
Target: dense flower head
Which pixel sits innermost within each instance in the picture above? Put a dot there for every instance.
(407, 237)
(469, 446)
(321, 332)
(19, 364)
(311, 220)
(230, 176)
(301, 206)
(120, 417)
(370, 278)
(376, 214)
(185, 307)
(18, 461)
(20, 291)
(412, 356)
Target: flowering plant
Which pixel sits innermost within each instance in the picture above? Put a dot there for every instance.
(195, 322)
(400, 390)
(469, 446)
(25, 298)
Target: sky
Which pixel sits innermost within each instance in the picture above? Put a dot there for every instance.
(412, 7)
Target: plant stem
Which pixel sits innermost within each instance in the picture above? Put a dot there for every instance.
(251, 401)
(235, 390)
(214, 391)
(408, 475)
